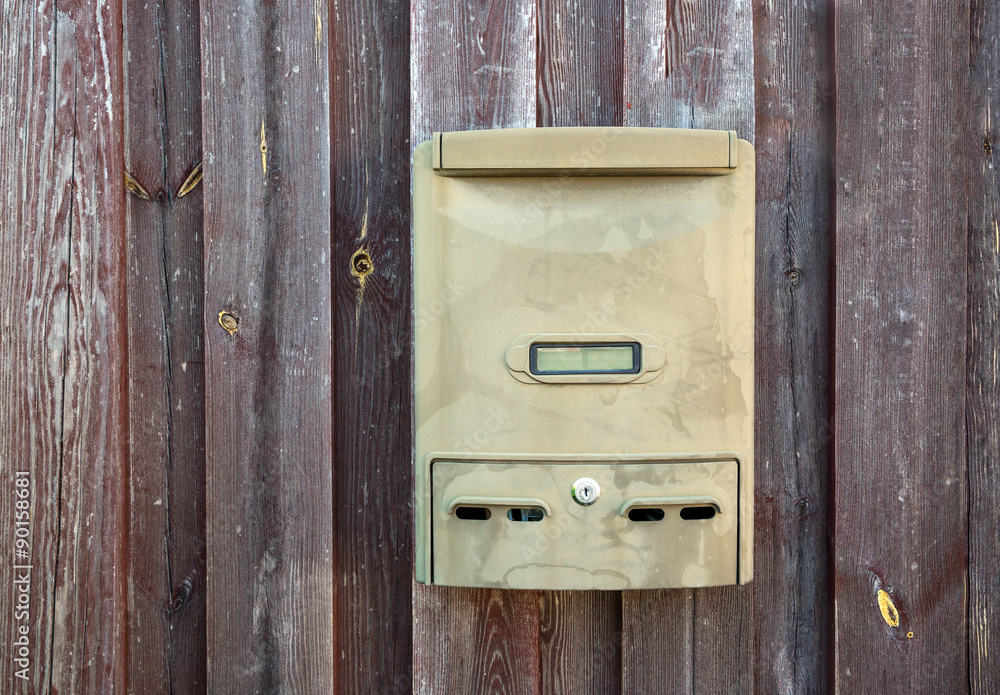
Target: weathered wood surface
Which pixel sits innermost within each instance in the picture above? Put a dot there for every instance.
(475, 641)
(982, 378)
(473, 66)
(89, 597)
(901, 228)
(689, 65)
(370, 92)
(63, 397)
(166, 557)
(580, 56)
(268, 385)
(791, 586)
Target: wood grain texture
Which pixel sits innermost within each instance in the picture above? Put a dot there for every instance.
(268, 386)
(658, 642)
(793, 122)
(901, 211)
(473, 66)
(982, 407)
(688, 64)
(580, 642)
(475, 641)
(34, 309)
(579, 63)
(166, 361)
(373, 445)
(62, 303)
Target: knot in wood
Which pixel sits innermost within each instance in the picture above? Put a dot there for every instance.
(229, 321)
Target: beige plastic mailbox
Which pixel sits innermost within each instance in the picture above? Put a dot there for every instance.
(583, 358)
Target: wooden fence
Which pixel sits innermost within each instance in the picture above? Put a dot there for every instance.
(206, 385)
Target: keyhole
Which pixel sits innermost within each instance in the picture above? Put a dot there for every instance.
(585, 491)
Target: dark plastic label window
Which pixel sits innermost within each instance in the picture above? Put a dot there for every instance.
(585, 358)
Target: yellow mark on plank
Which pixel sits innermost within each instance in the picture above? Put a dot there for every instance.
(229, 321)
(263, 147)
(364, 217)
(319, 29)
(909, 635)
(889, 613)
(191, 181)
(135, 188)
(361, 267)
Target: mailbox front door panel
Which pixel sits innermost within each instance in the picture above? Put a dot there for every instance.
(517, 525)
(583, 297)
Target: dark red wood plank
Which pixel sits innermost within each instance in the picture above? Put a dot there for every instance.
(658, 642)
(166, 371)
(580, 644)
(791, 587)
(983, 391)
(267, 198)
(370, 85)
(476, 641)
(35, 186)
(580, 54)
(473, 66)
(62, 361)
(901, 231)
(688, 65)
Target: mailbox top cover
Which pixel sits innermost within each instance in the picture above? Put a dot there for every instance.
(538, 252)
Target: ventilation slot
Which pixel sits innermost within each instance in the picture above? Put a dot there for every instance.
(651, 514)
(697, 513)
(525, 514)
(473, 513)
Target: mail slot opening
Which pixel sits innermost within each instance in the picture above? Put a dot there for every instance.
(696, 513)
(652, 514)
(525, 514)
(473, 513)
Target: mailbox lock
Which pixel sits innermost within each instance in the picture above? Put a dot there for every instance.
(585, 491)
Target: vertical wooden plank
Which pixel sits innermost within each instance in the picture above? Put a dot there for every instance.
(579, 83)
(791, 587)
(473, 66)
(370, 76)
(35, 186)
(90, 582)
(475, 641)
(580, 645)
(269, 525)
(166, 370)
(579, 63)
(688, 64)
(983, 391)
(901, 211)
(62, 362)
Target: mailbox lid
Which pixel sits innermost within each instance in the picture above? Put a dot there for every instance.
(585, 547)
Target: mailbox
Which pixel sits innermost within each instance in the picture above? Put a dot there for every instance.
(583, 358)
